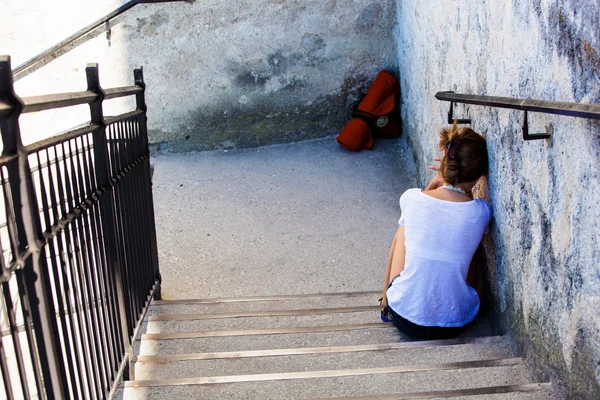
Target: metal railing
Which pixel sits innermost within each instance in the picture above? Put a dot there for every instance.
(30, 65)
(79, 264)
(581, 110)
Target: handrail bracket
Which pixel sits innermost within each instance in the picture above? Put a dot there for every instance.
(532, 136)
(451, 118)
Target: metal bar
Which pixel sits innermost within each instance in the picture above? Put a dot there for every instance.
(57, 205)
(284, 376)
(65, 245)
(580, 110)
(134, 208)
(4, 271)
(76, 270)
(56, 140)
(106, 206)
(88, 269)
(77, 35)
(136, 252)
(110, 334)
(12, 323)
(114, 93)
(436, 394)
(138, 328)
(114, 196)
(121, 224)
(6, 158)
(138, 203)
(45, 164)
(264, 298)
(271, 331)
(8, 391)
(108, 121)
(126, 360)
(113, 144)
(56, 277)
(52, 101)
(141, 202)
(276, 313)
(127, 211)
(531, 136)
(80, 33)
(90, 203)
(5, 109)
(38, 297)
(123, 367)
(140, 100)
(11, 218)
(302, 351)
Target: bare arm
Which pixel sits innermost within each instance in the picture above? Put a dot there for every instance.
(396, 260)
(437, 180)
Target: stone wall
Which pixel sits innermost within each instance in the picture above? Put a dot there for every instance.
(226, 74)
(544, 250)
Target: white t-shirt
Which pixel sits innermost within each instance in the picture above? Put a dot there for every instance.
(440, 237)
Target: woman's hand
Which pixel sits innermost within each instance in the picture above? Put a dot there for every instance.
(437, 180)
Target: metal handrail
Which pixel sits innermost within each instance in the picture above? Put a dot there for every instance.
(51, 101)
(19, 70)
(580, 110)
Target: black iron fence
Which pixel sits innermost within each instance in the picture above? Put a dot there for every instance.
(79, 264)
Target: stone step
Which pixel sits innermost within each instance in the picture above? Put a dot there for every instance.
(151, 344)
(323, 358)
(172, 323)
(264, 303)
(337, 383)
(317, 317)
(530, 391)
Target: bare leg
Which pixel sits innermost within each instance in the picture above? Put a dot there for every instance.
(396, 260)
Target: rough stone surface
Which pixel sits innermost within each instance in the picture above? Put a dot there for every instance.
(349, 386)
(307, 217)
(224, 74)
(544, 248)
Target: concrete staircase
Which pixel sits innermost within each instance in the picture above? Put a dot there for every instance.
(314, 346)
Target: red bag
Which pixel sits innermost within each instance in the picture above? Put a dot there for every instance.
(377, 115)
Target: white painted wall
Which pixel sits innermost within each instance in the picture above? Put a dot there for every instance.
(28, 27)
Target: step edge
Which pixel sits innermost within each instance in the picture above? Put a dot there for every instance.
(151, 359)
(497, 362)
(524, 388)
(271, 313)
(219, 300)
(269, 331)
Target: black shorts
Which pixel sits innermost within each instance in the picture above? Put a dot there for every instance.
(419, 331)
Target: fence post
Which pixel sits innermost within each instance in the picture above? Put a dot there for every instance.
(140, 101)
(102, 170)
(38, 285)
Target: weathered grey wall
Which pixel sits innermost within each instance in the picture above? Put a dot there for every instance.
(544, 251)
(224, 74)
(256, 72)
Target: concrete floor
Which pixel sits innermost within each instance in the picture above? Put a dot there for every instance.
(305, 217)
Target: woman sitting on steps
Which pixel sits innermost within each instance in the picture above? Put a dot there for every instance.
(440, 230)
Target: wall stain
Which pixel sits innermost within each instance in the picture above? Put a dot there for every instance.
(369, 18)
(148, 25)
(572, 43)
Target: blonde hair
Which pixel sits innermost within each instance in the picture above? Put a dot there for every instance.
(465, 155)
